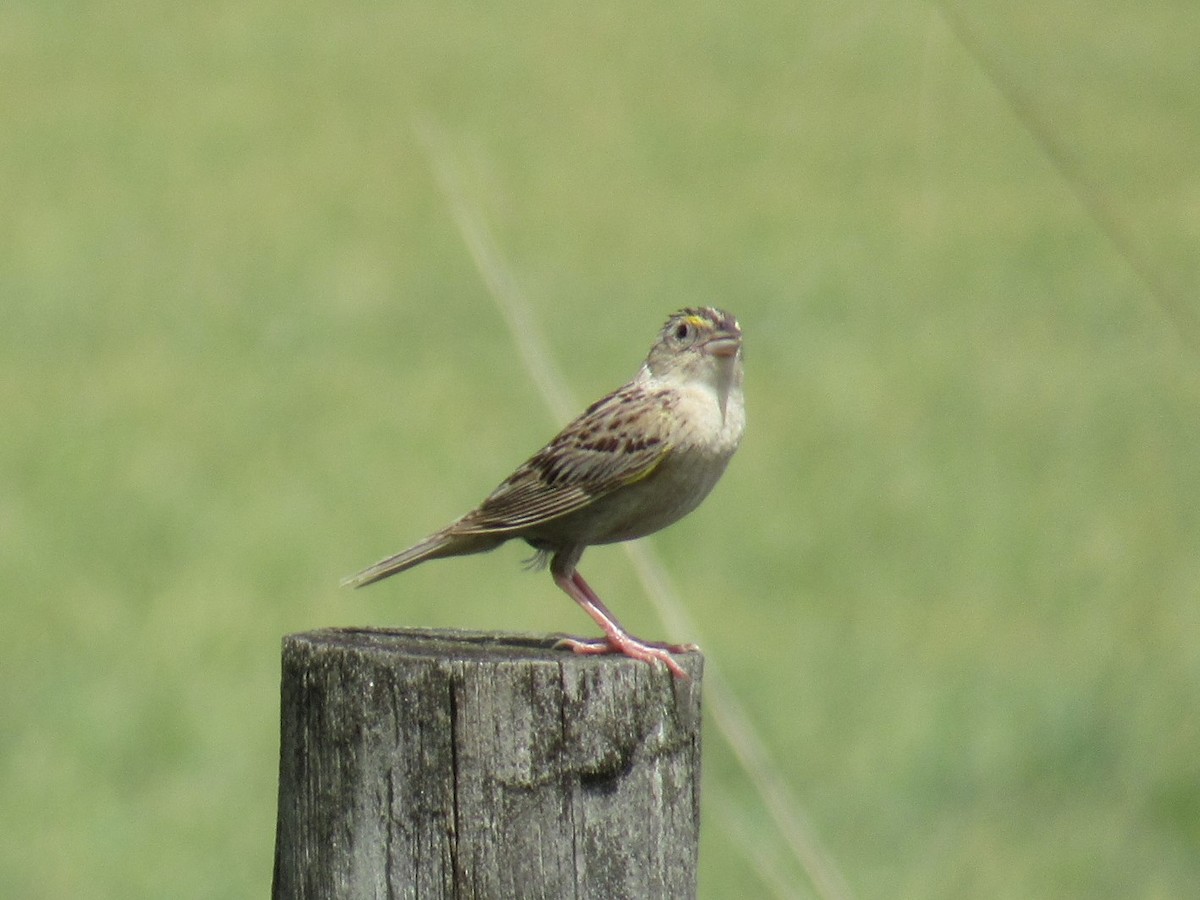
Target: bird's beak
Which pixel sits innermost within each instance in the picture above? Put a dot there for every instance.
(723, 344)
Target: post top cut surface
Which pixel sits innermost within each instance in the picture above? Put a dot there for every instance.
(446, 644)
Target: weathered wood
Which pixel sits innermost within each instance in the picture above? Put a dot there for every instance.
(438, 764)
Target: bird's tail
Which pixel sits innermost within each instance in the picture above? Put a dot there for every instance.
(443, 543)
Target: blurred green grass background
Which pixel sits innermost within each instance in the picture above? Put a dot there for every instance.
(952, 573)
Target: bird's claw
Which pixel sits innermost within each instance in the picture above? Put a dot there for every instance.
(645, 651)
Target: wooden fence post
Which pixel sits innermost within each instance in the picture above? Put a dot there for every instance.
(439, 764)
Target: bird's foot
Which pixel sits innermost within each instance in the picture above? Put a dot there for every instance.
(646, 651)
(616, 639)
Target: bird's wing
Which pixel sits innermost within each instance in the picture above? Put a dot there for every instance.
(599, 452)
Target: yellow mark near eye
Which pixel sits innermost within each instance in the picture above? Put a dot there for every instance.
(697, 322)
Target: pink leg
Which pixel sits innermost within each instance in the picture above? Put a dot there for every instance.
(617, 639)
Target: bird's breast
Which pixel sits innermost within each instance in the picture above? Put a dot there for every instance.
(701, 437)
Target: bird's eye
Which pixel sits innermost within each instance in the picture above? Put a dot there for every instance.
(683, 331)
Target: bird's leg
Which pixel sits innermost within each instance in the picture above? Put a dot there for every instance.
(617, 639)
(591, 595)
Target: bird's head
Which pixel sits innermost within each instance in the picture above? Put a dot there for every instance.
(698, 343)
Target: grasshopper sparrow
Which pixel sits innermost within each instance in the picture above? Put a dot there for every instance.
(634, 462)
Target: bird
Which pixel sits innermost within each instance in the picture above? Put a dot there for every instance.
(635, 461)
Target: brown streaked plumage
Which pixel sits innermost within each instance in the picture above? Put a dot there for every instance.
(635, 461)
